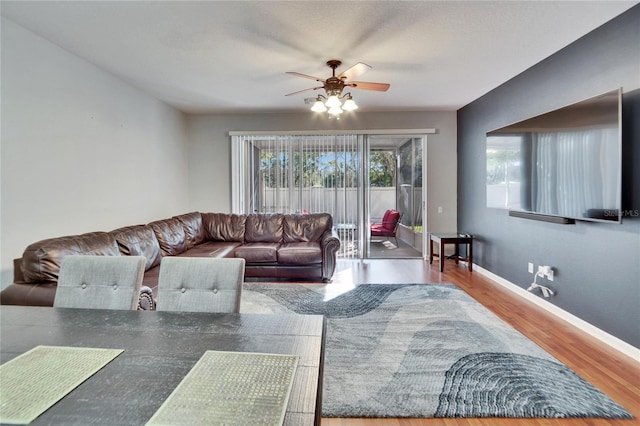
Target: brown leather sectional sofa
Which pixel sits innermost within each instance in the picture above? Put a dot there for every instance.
(273, 246)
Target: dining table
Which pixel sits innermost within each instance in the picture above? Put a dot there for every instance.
(159, 350)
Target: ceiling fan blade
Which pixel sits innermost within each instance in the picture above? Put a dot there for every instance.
(305, 90)
(356, 70)
(310, 77)
(365, 85)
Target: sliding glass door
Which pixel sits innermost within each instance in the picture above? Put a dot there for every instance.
(354, 177)
(396, 183)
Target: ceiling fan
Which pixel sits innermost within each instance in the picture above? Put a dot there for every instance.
(334, 86)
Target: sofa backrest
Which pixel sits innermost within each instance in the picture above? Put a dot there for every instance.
(193, 228)
(139, 240)
(41, 260)
(171, 236)
(264, 228)
(223, 226)
(306, 227)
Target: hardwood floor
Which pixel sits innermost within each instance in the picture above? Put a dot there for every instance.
(614, 373)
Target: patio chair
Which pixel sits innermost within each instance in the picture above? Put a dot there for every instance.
(200, 284)
(389, 225)
(100, 282)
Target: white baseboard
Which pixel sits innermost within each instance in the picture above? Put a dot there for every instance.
(594, 331)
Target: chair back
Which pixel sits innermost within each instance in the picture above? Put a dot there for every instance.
(99, 282)
(391, 220)
(200, 284)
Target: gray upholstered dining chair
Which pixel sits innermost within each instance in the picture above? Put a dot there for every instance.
(200, 284)
(100, 282)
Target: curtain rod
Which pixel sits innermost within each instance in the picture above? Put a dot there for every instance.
(403, 132)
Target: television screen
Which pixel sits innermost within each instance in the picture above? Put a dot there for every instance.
(564, 163)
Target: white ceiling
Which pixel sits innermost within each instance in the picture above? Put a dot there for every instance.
(213, 56)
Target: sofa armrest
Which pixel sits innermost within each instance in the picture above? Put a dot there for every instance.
(17, 271)
(329, 244)
(145, 299)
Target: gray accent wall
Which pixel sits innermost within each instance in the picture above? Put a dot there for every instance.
(597, 265)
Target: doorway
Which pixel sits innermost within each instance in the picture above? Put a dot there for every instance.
(355, 177)
(396, 182)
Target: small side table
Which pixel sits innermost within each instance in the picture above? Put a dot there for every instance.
(443, 239)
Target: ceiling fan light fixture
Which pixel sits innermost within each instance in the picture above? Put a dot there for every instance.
(333, 101)
(333, 87)
(318, 106)
(349, 104)
(335, 110)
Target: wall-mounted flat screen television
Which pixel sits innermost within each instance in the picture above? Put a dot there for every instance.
(565, 163)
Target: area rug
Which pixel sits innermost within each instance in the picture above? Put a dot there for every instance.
(428, 350)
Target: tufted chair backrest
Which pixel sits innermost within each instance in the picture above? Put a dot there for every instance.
(200, 284)
(100, 282)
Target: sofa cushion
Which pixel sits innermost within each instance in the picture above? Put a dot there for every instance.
(300, 253)
(264, 228)
(170, 235)
(41, 260)
(212, 249)
(139, 240)
(193, 229)
(308, 227)
(150, 279)
(224, 227)
(29, 294)
(258, 252)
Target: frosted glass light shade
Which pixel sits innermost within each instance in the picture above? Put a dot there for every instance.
(333, 101)
(336, 110)
(318, 106)
(349, 105)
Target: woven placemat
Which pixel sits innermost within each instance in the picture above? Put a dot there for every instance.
(231, 388)
(37, 379)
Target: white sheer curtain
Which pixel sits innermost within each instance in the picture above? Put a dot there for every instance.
(571, 170)
(301, 174)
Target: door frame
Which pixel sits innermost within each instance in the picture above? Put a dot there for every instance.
(239, 191)
(366, 202)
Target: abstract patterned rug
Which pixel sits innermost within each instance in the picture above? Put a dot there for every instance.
(416, 350)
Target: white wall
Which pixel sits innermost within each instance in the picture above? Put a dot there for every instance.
(81, 150)
(210, 153)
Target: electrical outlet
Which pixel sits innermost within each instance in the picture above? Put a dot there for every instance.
(439, 209)
(546, 272)
(530, 268)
